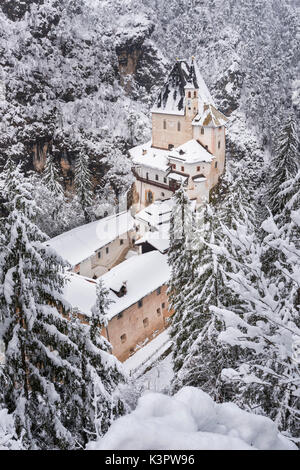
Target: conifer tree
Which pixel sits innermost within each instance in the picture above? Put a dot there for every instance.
(204, 357)
(102, 372)
(181, 261)
(267, 328)
(83, 184)
(39, 357)
(283, 167)
(51, 178)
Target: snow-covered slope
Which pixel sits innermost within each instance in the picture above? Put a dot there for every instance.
(190, 420)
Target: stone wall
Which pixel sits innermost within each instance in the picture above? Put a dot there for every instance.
(138, 324)
(98, 266)
(161, 137)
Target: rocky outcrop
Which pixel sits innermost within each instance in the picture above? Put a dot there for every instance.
(228, 89)
(139, 60)
(16, 9)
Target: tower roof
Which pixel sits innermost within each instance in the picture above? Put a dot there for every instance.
(172, 96)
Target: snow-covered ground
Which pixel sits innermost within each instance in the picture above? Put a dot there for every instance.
(147, 355)
(159, 377)
(190, 420)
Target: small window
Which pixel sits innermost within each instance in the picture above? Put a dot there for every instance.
(219, 144)
(158, 311)
(163, 305)
(158, 291)
(145, 322)
(107, 250)
(189, 94)
(165, 124)
(149, 196)
(174, 166)
(216, 165)
(123, 338)
(202, 130)
(178, 126)
(120, 315)
(182, 168)
(165, 180)
(140, 303)
(156, 177)
(198, 168)
(195, 94)
(121, 241)
(147, 176)
(99, 254)
(162, 194)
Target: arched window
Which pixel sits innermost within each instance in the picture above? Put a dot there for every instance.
(178, 126)
(165, 124)
(189, 94)
(149, 196)
(202, 130)
(219, 144)
(195, 94)
(123, 338)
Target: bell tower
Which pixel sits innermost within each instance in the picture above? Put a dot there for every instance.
(191, 100)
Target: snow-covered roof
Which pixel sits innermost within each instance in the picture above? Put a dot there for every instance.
(209, 116)
(80, 243)
(143, 274)
(183, 75)
(160, 240)
(199, 179)
(191, 152)
(177, 177)
(152, 157)
(80, 292)
(156, 213)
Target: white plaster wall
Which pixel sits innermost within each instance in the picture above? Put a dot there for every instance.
(98, 266)
(142, 188)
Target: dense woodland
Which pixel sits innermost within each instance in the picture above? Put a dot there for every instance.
(78, 79)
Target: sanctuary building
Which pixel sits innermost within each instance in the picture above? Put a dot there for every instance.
(188, 141)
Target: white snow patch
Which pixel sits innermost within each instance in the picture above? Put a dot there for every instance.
(190, 420)
(148, 354)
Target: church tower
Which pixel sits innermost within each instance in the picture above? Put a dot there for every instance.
(188, 139)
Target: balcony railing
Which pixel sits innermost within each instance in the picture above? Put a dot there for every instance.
(172, 186)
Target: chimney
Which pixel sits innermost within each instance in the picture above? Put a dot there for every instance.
(123, 290)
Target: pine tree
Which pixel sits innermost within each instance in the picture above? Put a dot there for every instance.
(181, 261)
(101, 371)
(290, 190)
(204, 357)
(267, 328)
(39, 357)
(283, 167)
(83, 184)
(51, 178)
